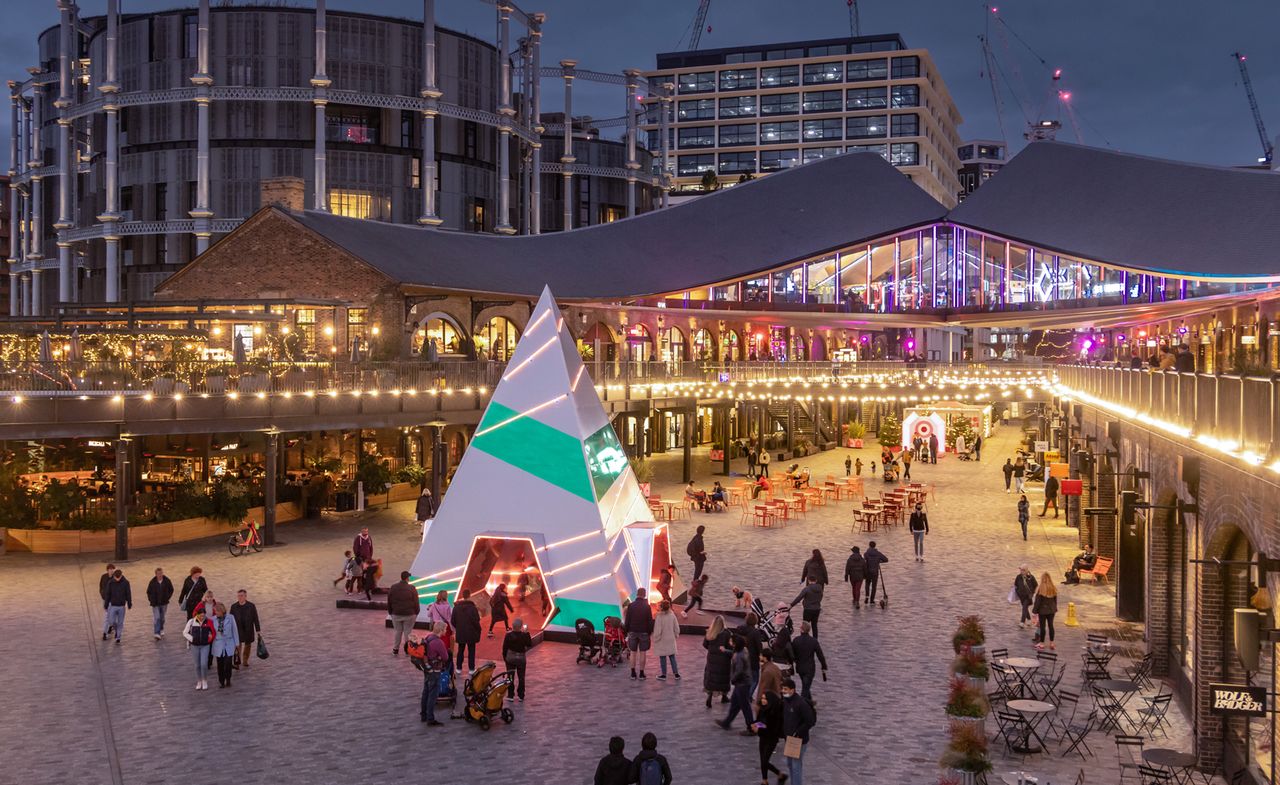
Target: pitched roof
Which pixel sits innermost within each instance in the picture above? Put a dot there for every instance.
(1163, 216)
(784, 217)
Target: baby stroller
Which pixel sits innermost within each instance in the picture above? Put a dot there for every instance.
(615, 642)
(589, 648)
(484, 694)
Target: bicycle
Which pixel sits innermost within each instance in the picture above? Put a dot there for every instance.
(243, 540)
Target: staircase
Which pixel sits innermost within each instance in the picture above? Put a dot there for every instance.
(806, 428)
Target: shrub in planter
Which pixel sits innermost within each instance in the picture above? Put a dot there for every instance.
(855, 432)
(411, 473)
(969, 633)
(972, 664)
(967, 752)
(95, 522)
(965, 700)
(230, 501)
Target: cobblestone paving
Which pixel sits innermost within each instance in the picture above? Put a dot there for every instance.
(332, 705)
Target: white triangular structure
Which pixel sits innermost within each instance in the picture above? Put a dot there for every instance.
(544, 486)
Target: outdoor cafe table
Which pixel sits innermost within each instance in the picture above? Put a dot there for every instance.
(1125, 690)
(1022, 667)
(1180, 764)
(1019, 778)
(1034, 711)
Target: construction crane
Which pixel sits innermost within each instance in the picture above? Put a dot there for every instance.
(1267, 148)
(855, 26)
(695, 37)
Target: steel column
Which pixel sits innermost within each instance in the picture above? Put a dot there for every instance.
(505, 115)
(431, 94)
(535, 187)
(320, 98)
(122, 507)
(567, 158)
(202, 80)
(269, 482)
(632, 75)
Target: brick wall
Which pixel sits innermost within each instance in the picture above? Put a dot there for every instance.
(1105, 498)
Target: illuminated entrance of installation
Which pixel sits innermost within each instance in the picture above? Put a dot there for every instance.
(513, 563)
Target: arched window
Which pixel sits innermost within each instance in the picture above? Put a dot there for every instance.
(639, 344)
(443, 330)
(598, 335)
(672, 345)
(704, 345)
(798, 351)
(732, 346)
(496, 339)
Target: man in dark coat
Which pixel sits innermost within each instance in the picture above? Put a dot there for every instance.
(247, 625)
(977, 447)
(697, 551)
(637, 623)
(1008, 474)
(1184, 361)
(797, 718)
(1051, 485)
(874, 559)
(362, 547)
(754, 637)
(811, 597)
(855, 570)
(103, 580)
(466, 628)
(159, 592)
(402, 606)
(807, 648)
(119, 596)
(933, 448)
(614, 768)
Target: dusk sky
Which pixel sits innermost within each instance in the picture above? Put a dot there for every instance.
(1156, 79)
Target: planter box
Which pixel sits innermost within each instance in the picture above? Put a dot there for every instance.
(717, 455)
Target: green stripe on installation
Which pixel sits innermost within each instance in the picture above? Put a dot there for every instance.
(550, 455)
(571, 610)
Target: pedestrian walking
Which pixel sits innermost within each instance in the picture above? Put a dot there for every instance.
(716, 671)
(637, 624)
(403, 607)
(933, 450)
(977, 447)
(764, 462)
(425, 509)
(200, 636)
(193, 589)
(159, 592)
(103, 581)
(119, 597)
(351, 572)
(650, 768)
(816, 567)
(855, 570)
(807, 649)
(1045, 606)
(614, 768)
(515, 649)
(740, 682)
(1019, 474)
(797, 719)
(499, 605)
(1007, 469)
(811, 597)
(857, 467)
(248, 627)
(466, 628)
(769, 731)
(362, 547)
(1024, 591)
(666, 631)
(665, 579)
(874, 558)
(435, 661)
(754, 638)
(906, 464)
(919, 527)
(1051, 485)
(696, 590)
(697, 550)
(751, 460)
(770, 678)
(848, 465)
(226, 640)
(1024, 514)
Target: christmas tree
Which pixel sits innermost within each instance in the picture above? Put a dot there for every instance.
(890, 432)
(960, 426)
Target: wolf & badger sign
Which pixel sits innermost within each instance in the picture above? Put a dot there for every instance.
(1238, 700)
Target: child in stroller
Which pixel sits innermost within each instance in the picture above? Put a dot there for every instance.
(614, 642)
(589, 641)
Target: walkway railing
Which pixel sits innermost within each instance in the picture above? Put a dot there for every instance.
(1238, 414)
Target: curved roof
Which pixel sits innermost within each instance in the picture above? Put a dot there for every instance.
(1146, 213)
(788, 216)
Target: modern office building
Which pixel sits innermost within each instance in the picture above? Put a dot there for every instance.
(979, 160)
(752, 110)
(141, 138)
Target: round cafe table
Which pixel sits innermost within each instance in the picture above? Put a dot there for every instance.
(1022, 668)
(1019, 778)
(1033, 710)
(1180, 763)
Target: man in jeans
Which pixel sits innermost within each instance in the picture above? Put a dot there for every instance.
(811, 596)
(434, 663)
(919, 526)
(119, 596)
(797, 718)
(402, 607)
(159, 592)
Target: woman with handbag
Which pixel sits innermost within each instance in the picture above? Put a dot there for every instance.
(515, 652)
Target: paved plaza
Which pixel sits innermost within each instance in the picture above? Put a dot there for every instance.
(331, 705)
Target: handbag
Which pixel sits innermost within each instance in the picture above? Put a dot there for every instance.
(1013, 595)
(793, 747)
(262, 648)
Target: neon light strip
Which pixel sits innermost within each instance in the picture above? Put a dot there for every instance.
(522, 414)
(438, 574)
(578, 562)
(583, 583)
(536, 322)
(575, 538)
(512, 372)
(581, 370)
(621, 559)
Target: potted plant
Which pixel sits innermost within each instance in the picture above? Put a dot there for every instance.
(803, 448)
(965, 702)
(972, 665)
(643, 472)
(717, 452)
(969, 634)
(966, 757)
(855, 432)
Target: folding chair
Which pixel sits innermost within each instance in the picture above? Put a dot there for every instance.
(1076, 734)
(1068, 703)
(1015, 731)
(1140, 671)
(1092, 668)
(1152, 718)
(1080, 778)
(1049, 682)
(1154, 776)
(1112, 710)
(997, 699)
(999, 654)
(1006, 681)
(1129, 752)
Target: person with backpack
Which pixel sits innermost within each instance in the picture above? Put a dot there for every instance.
(200, 635)
(434, 662)
(811, 597)
(515, 650)
(403, 606)
(740, 682)
(159, 592)
(226, 640)
(798, 717)
(466, 628)
(919, 527)
(697, 551)
(650, 768)
(614, 768)
(873, 558)
(119, 596)
(855, 570)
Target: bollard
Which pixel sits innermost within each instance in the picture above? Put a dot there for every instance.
(1072, 621)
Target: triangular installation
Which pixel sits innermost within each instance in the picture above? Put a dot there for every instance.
(543, 495)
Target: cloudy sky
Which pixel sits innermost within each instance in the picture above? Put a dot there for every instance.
(1144, 77)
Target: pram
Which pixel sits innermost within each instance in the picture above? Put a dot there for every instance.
(615, 642)
(589, 641)
(484, 694)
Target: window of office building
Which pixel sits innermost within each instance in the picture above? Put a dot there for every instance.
(687, 165)
(815, 130)
(905, 125)
(742, 57)
(779, 103)
(738, 79)
(881, 150)
(828, 51)
(817, 153)
(869, 127)
(775, 160)
(701, 82)
(906, 67)
(965, 153)
(904, 154)
(906, 95)
(780, 76)
(697, 136)
(785, 54)
(700, 109)
(653, 139)
(740, 106)
(732, 135)
(477, 212)
(780, 133)
(867, 70)
(865, 98)
(733, 163)
(823, 73)
(823, 101)
(352, 124)
(190, 36)
(352, 203)
(991, 152)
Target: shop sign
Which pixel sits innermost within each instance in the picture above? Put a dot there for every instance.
(1238, 700)
(723, 377)
(93, 443)
(1042, 446)
(1248, 340)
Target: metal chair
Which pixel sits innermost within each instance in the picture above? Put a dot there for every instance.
(1065, 714)
(1014, 730)
(1155, 776)
(1077, 734)
(999, 654)
(1140, 671)
(1129, 751)
(1092, 668)
(1152, 718)
(1112, 710)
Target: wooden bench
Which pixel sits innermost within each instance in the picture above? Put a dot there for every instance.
(1100, 569)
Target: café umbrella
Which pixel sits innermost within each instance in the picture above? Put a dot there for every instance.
(238, 349)
(46, 355)
(75, 352)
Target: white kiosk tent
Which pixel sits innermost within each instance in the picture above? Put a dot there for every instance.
(544, 491)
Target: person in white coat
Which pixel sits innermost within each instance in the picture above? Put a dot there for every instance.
(666, 629)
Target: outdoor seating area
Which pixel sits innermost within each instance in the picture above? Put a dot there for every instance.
(776, 505)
